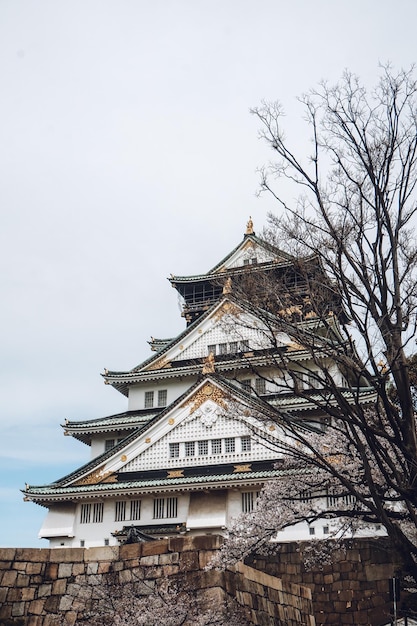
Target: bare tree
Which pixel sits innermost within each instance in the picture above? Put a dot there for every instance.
(352, 242)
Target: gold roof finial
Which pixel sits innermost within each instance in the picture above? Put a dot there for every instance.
(249, 227)
(227, 287)
(208, 367)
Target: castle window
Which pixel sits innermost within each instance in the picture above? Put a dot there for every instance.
(211, 349)
(233, 347)
(109, 444)
(216, 446)
(249, 501)
(162, 397)
(189, 448)
(203, 448)
(120, 511)
(246, 384)
(135, 509)
(165, 507)
(98, 509)
(174, 450)
(245, 444)
(244, 345)
(229, 444)
(85, 515)
(149, 399)
(260, 386)
(223, 348)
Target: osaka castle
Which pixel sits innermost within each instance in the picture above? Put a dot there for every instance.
(198, 439)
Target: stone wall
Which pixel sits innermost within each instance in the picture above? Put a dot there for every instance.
(352, 589)
(48, 587)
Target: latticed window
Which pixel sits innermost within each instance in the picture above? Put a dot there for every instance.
(249, 501)
(189, 448)
(162, 397)
(135, 509)
(120, 511)
(260, 386)
(203, 448)
(246, 384)
(222, 348)
(85, 515)
(233, 347)
(216, 446)
(211, 349)
(149, 399)
(229, 444)
(109, 444)
(165, 507)
(346, 500)
(98, 509)
(245, 444)
(174, 450)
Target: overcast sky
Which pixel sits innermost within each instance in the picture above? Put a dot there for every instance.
(127, 152)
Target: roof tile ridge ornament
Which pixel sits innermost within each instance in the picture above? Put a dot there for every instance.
(249, 227)
(209, 366)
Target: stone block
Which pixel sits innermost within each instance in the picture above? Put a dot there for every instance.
(64, 570)
(59, 587)
(188, 561)
(170, 570)
(104, 567)
(51, 571)
(22, 580)
(125, 576)
(205, 557)
(14, 594)
(65, 604)
(92, 568)
(147, 561)
(41, 555)
(70, 618)
(103, 553)
(34, 568)
(9, 579)
(5, 611)
(52, 604)
(155, 547)
(44, 590)
(36, 606)
(169, 558)
(18, 609)
(130, 551)
(7, 554)
(67, 555)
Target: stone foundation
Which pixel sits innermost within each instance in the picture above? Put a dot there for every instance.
(50, 587)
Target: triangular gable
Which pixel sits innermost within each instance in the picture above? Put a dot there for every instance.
(251, 250)
(213, 406)
(227, 322)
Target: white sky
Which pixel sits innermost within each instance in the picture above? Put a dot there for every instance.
(127, 152)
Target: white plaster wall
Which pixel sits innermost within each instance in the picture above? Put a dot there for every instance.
(175, 388)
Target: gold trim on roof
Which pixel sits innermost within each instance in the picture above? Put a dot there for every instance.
(228, 308)
(242, 468)
(208, 392)
(159, 364)
(249, 227)
(175, 473)
(97, 477)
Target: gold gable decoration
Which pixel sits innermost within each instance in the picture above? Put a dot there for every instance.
(159, 364)
(97, 477)
(227, 308)
(208, 392)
